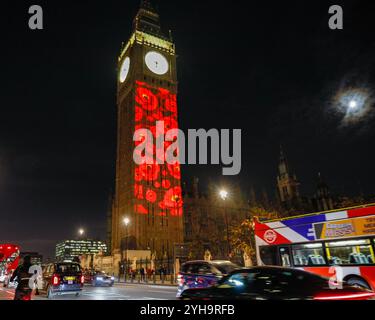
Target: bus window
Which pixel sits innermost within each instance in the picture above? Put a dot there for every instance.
(268, 255)
(284, 256)
(310, 254)
(351, 252)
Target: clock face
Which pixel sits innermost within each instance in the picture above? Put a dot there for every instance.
(124, 71)
(156, 62)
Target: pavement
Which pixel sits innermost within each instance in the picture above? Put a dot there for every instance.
(149, 282)
(120, 291)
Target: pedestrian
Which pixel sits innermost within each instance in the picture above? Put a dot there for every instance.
(161, 272)
(142, 272)
(23, 291)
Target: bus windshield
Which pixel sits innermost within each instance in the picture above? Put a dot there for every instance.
(9, 258)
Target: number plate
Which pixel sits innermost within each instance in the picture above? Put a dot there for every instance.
(70, 281)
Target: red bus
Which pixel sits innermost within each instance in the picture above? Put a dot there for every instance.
(336, 244)
(9, 259)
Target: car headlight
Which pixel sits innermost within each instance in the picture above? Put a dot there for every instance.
(112, 278)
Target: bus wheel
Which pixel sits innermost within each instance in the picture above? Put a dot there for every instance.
(358, 282)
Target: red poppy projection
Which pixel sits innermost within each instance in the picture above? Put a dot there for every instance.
(157, 187)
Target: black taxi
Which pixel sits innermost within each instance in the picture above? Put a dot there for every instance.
(62, 278)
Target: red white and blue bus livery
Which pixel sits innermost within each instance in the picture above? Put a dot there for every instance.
(337, 244)
(9, 259)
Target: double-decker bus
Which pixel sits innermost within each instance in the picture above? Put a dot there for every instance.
(9, 259)
(336, 244)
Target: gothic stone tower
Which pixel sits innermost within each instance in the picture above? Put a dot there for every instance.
(323, 197)
(148, 194)
(287, 184)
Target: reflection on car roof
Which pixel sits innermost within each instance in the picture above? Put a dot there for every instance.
(211, 261)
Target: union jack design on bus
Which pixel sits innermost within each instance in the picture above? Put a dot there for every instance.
(337, 244)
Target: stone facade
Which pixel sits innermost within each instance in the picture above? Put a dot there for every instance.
(208, 220)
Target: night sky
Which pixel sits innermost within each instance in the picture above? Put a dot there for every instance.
(272, 70)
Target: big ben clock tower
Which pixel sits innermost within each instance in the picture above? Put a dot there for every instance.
(148, 195)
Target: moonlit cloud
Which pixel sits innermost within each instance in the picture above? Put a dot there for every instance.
(355, 105)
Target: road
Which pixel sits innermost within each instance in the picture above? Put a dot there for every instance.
(117, 292)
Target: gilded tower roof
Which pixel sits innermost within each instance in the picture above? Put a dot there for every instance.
(147, 20)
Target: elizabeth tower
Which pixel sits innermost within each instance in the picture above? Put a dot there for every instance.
(149, 195)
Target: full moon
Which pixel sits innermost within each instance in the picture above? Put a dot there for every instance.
(352, 104)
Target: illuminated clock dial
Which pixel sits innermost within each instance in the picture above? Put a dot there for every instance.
(124, 71)
(156, 62)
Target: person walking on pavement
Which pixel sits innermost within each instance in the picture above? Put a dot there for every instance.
(142, 272)
(23, 291)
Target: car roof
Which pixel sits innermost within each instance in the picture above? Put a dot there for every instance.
(204, 261)
(280, 268)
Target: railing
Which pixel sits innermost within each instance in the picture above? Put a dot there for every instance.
(159, 271)
(168, 279)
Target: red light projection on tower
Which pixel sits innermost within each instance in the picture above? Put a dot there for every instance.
(157, 187)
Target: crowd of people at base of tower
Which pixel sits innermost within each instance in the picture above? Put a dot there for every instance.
(147, 274)
(139, 274)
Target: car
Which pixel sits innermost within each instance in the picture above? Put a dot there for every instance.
(88, 274)
(100, 278)
(62, 278)
(202, 274)
(277, 283)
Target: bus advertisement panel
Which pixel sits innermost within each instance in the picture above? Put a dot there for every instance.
(336, 244)
(9, 259)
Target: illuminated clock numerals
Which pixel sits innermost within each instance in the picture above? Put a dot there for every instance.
(156, 63)
(124, 70)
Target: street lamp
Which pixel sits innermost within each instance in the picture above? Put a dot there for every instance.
(126, 223)
(81, 232)
(224, 195)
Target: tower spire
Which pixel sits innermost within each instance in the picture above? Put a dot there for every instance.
(146, 4)
(281, 150)
(282, 154)
(147, 20)
(287, 183)
(283, 163)
(323, 198)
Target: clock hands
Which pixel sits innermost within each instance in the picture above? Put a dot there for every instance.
(156, 62)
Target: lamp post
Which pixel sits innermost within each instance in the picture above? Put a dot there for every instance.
(90, 265)
(224, 195)
(81, 232)
(126, 223)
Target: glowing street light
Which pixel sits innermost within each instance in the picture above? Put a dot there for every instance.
(81, 232)
(223, 194)
(126, 221)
